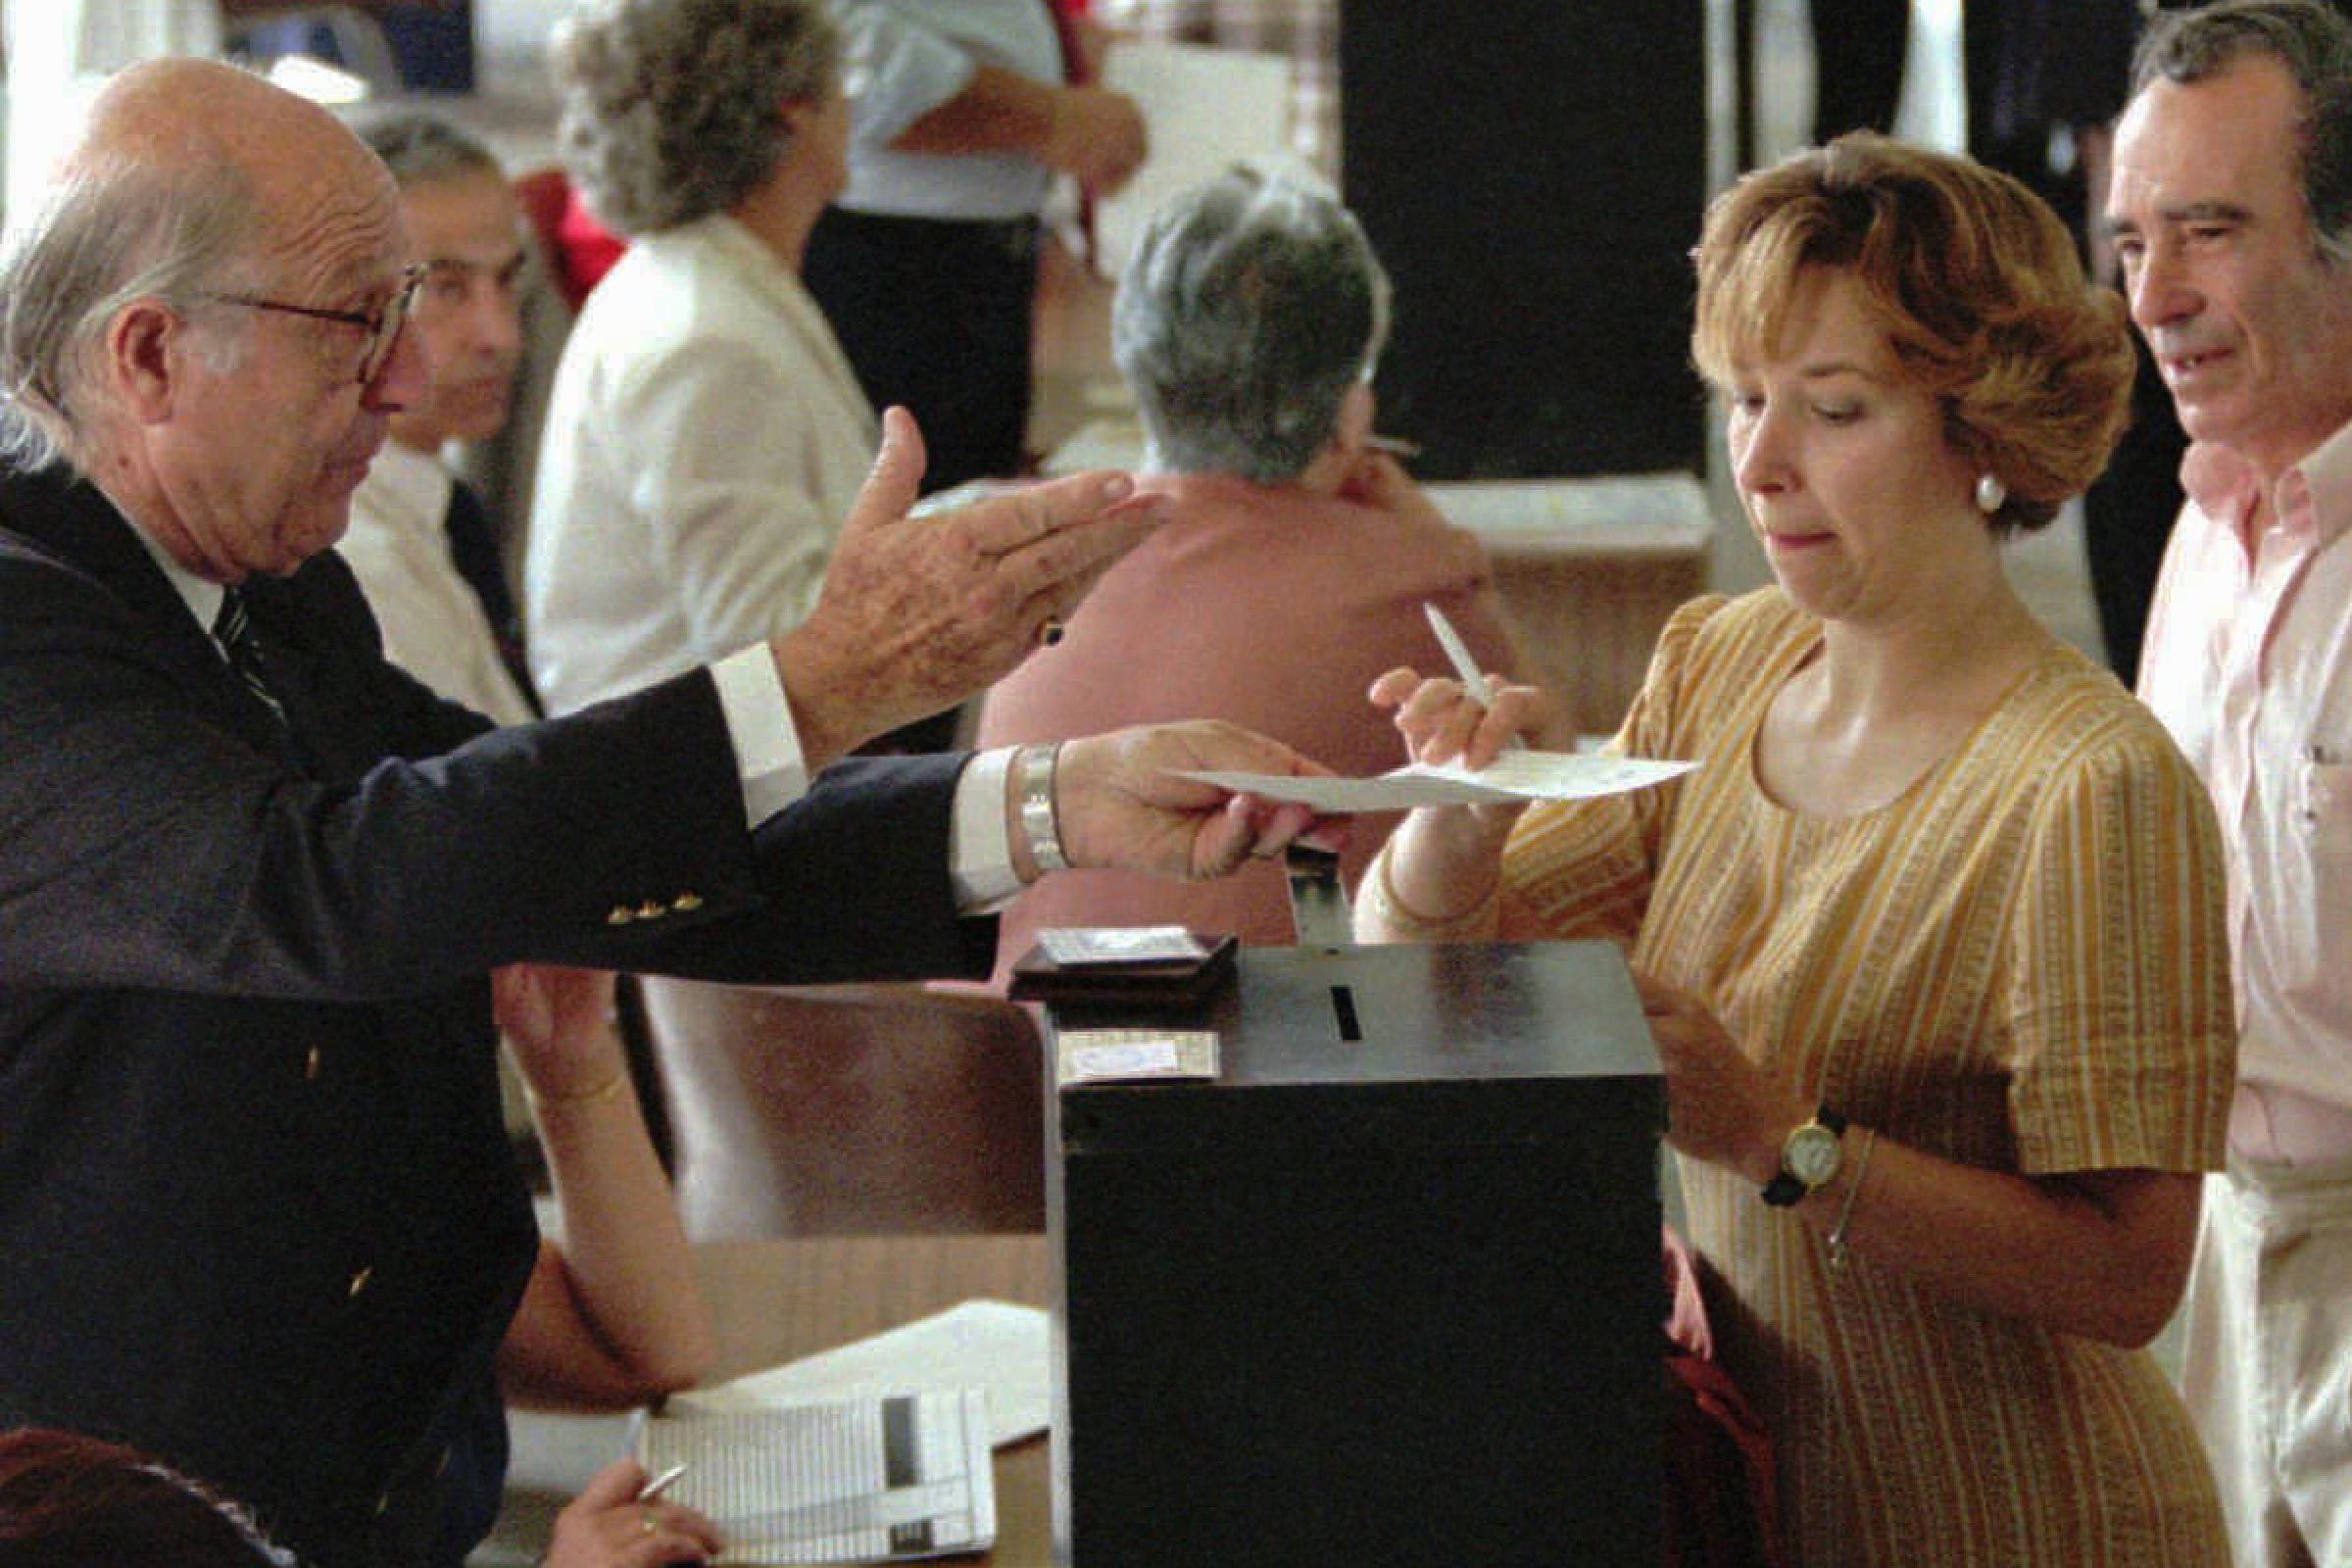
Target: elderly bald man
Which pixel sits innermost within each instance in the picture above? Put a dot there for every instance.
(257, 1212)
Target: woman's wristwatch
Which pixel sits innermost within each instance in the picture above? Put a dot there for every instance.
(1809, 1159)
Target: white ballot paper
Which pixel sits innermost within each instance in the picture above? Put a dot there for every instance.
(1513, 776)
(860, 1481)
(1001, 1347)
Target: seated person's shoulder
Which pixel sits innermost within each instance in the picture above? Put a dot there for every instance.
(1713, 652)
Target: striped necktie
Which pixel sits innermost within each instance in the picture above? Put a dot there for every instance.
(232, 629)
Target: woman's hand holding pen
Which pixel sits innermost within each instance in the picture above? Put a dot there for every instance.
(1442, 721)
(618, 1521)
(1444, 860)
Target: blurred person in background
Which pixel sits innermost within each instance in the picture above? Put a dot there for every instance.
(1298, 555)
(704, 436)
(962, 112)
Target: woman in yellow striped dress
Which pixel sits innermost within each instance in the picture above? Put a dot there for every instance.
(1932, 939)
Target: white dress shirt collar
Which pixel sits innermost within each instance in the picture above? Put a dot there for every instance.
(410, 490)
(200, 595)
(2313, 495)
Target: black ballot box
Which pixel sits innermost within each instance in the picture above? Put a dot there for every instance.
(1385, 1287)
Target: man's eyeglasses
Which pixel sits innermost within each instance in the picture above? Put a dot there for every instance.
(382, 325)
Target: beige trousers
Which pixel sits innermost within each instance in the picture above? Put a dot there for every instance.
(2266, 1365)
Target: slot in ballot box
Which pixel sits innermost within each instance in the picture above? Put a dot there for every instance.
(1386, 1287)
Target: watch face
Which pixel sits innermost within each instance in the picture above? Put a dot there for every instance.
(1811, 1154)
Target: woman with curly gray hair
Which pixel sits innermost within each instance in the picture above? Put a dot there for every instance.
(706, 434)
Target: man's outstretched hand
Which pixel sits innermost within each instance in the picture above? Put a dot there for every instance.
(1119, 800)
(917, 614)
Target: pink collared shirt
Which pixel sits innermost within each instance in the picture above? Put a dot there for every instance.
(2248, 663)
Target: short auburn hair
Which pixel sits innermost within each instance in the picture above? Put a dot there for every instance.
(1974, 281)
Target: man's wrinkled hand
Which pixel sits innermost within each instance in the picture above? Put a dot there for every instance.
(1119, 800)
(918, 613)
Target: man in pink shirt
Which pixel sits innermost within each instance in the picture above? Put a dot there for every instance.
(2231, 211)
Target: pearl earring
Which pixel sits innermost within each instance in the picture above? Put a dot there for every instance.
(1991, 493)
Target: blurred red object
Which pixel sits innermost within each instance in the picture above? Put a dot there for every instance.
(579, 250)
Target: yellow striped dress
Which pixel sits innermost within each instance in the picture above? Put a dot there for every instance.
(2021, 963)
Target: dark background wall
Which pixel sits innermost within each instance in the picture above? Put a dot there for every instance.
(1533, 173)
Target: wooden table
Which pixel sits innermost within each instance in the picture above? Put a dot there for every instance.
(777, 1301)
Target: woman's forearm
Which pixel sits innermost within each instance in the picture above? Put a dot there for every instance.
(1436, 878)
(2099, 1254)
(615, 1316)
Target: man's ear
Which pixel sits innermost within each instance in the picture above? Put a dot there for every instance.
(144, 356)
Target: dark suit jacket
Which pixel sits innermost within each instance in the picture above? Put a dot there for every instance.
(256, 1211)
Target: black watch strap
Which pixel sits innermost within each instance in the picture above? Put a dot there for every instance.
(1784, 1189)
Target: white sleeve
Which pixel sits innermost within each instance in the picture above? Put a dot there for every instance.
(979, 850)
(774, 773)
(898, 71)
(767, 745)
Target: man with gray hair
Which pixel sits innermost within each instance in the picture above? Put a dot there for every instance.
(421, 542)
(260, 1217)
(2232, 212)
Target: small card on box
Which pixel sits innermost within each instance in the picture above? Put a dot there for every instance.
(1134, 1056)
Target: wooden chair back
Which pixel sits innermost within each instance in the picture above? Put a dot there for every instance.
(833, 1109)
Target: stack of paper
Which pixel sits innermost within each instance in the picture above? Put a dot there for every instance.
(998, 1347)
(871, 1480)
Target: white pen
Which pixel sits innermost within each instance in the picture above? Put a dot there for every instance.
(1457, 652)
(660, 1484)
